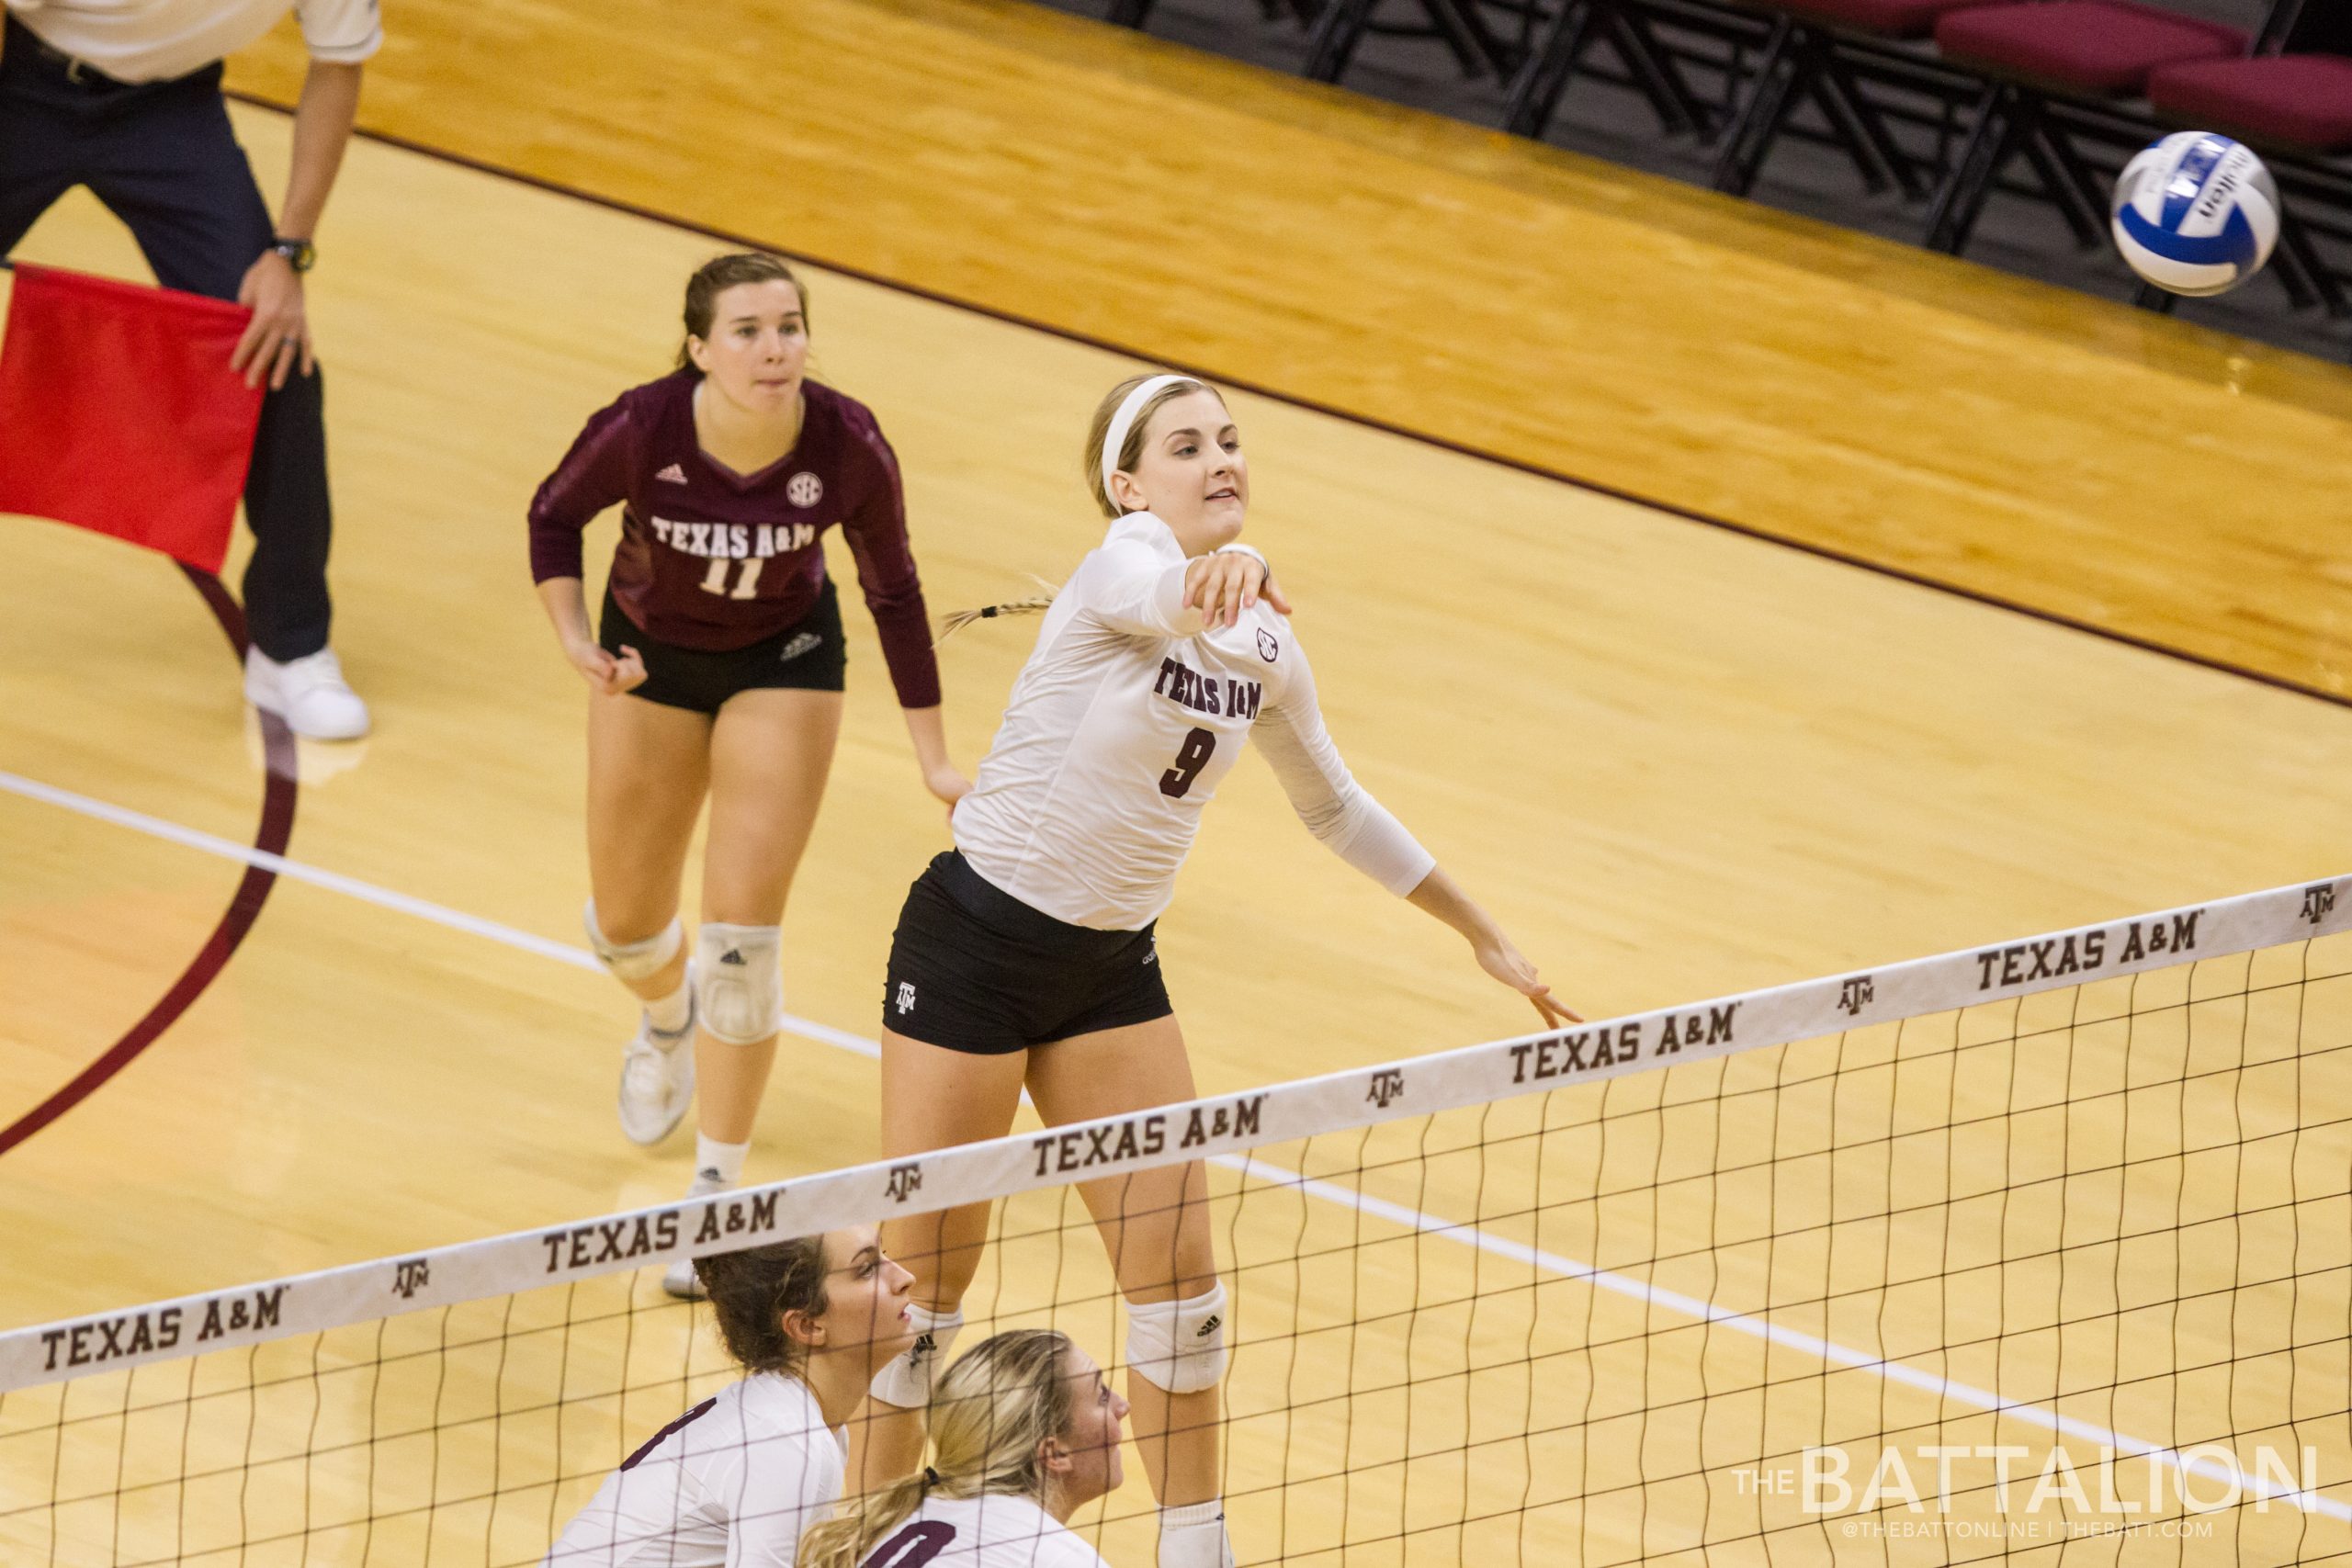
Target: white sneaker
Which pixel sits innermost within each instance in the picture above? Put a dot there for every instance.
(658, 1077)
(680, 1281)
(679, 1278)
(308, 694)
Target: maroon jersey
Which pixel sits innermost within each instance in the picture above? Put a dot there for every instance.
(715, 560)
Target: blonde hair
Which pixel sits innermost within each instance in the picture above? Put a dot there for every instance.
(1098, 430)
(989, 1414)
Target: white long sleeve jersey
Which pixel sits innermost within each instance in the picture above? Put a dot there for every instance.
(987, 1531)
(731, 1483)
(1125, 720)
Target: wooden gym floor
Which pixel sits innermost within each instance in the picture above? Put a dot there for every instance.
(1679, 755)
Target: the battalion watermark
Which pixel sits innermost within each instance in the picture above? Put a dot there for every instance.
(2000, 1492)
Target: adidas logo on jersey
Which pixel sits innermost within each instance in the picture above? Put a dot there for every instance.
(734, 957)
(672, 474)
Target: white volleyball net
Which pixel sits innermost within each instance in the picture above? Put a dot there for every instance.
(2042, 1247)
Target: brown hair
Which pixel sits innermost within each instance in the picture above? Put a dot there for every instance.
(1131, 449)
(751, 1290)
(719, 273)
(989, 1414)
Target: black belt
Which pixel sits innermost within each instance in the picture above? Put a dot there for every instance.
(72, 68)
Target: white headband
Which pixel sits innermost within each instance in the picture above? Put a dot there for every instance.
(1114, 439)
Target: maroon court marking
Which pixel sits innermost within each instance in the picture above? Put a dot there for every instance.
(276, 830)
(1444, 444)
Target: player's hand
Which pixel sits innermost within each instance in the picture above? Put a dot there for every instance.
(279, 336)
(948, 784)
(1506, 963)
(605, 673)
(1225, 583)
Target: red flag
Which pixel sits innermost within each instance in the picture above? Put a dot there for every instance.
(119, 411)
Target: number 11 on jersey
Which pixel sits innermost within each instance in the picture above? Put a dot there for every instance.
(747, 581)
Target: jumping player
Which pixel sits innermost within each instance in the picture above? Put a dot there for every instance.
(718, 670)
(1027, 1430)
(735, 1480)
(1025, 955)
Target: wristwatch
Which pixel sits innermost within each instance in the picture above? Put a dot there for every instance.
(300, 254)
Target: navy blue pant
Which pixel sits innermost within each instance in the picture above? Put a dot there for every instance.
(162, 157)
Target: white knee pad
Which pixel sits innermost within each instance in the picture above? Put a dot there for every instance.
(634, 960)
(905, 1378)
(1178, 1346)
(739, 981)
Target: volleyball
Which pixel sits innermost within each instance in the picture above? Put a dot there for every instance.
(2196, 213)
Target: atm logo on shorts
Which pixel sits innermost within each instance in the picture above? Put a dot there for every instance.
(906, 998)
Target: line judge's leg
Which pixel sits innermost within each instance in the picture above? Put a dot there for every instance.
(41, 145)
(1155, 1224)
(174, 173)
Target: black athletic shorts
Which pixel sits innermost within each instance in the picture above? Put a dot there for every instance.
(811, 655)
(973, 968)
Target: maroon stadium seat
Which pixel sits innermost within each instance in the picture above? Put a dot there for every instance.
(2093, 48)
(1800, 62)
(2289, 105)
(2301, 102)
(2083, 49)
(1882, 19)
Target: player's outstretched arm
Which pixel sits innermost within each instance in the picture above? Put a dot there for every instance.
(1441, 895)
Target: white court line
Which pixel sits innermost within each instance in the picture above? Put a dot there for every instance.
(367, 891)
(1332, 1192)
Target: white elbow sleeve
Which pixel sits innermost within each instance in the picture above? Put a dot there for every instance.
(1379, 846)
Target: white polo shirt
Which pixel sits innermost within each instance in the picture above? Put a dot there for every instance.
(154, 40)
